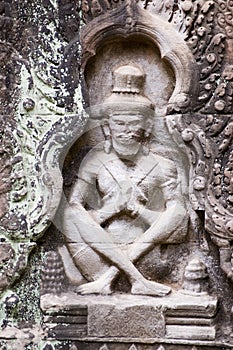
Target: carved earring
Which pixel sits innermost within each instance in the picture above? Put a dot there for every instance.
(107, 136)
(107, 145)
(145, 147)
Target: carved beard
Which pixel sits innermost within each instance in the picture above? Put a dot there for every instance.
(126, 149)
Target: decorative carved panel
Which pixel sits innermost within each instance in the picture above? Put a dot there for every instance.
(116, 174)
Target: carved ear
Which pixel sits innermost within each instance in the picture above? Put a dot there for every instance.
(106, 129)
(107, 135)
(149, 122)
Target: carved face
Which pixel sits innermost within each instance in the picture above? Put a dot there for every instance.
(126, 128)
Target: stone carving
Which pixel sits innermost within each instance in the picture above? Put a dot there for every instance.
(130, 19)
(205, 26)
(220, 189)
(104, 347)
(73, 347)
(36, 130)
(5, 166)
(13, 260)
(210, 42)
(161, 347)
(210, 143)
(48, 347)
(65, 322)
(40, 60)
(140, 321)
(219, 201)
(191, 136)
(113, 211)
(183, 14)
(95, 8)
(196, 21)
(53, 275)
(195, 277)
(133, 347)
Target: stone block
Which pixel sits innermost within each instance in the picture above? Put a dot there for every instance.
(116, 320)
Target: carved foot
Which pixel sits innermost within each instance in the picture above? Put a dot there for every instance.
(96, 287)
(146, 287)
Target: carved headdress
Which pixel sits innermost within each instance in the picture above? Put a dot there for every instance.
(127, 93)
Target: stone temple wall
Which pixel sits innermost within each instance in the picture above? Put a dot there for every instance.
(116, 174)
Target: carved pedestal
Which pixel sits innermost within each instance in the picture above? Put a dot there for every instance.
(125, 318)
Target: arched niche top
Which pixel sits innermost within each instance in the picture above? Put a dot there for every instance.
(130, 20)
(133, 50)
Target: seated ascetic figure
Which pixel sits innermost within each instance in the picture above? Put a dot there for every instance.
(126, 199)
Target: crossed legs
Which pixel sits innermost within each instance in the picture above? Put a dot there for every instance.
(82, 228)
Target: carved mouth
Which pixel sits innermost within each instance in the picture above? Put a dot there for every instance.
(128, 137)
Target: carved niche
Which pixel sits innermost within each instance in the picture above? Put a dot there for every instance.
(148, 168)
(135, 196)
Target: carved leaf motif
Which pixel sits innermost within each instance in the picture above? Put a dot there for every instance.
(133, 347)
(216, 89)
(48, 347)
(219, 199)
(161, 347)
(73, 347)
(104, 347)
(94, 8)
(197, 148)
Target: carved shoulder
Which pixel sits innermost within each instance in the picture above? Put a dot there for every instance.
(166, 168)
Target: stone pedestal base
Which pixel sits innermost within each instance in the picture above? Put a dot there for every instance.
(126, 317)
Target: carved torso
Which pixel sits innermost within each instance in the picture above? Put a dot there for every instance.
(105, 181)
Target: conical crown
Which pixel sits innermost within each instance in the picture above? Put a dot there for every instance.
(128, 79)
(127, 92)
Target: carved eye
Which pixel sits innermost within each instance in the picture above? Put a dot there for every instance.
(134, 123)
(119, 122)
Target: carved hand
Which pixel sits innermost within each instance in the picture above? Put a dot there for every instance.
(135, 207)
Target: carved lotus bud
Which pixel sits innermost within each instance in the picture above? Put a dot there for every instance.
(195, 276)
(229, 226)
(199, 183)
(219, 105)
(182, 100)
(28, 104)
(187, 135)
(187, 5)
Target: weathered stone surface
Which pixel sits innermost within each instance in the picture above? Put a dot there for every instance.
(54, 75)
(140, 321)
(127, 316)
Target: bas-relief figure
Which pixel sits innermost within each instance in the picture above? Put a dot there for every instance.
(122, 204)
(127, 198)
